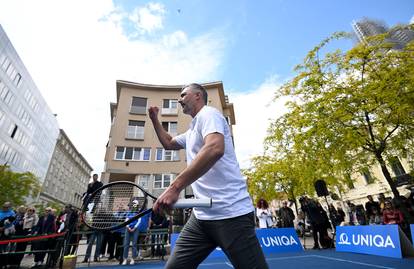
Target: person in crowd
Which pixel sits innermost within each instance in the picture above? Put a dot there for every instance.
(341, 215)
(263, 214)
(381, 202)
(317, 220)
(118, 235)
(334, 216)
(143, 227)
(376, 217)
(301, 223)
(15, 260)
(353, 220)
(212, 171)
(131, 234)
(360, 215)
(46, 225)
(30, 220)
(60, 221)
(7, 217)
(158, 221)
(370, 205)
(95, 236)
(69, 226)
(92, 187)
(324, 239)
(391, 215)
(286, 215)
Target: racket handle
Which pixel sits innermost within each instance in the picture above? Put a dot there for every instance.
(187, 203)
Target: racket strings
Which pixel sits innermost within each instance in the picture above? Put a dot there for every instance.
(111, 206)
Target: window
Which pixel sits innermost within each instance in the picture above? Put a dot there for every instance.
(169, 107)
(2, 117)
(167, 155)
(119, 155)
(17, 80)
(143, 181)
(5, 63)
(139, 105)
(228, 120)
(170, 127)
(397, 167)
(162, 180)
(12, 130)
(367, 176)
(133, 154)
(135, 129)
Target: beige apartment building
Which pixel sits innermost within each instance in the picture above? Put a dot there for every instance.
(133, 152)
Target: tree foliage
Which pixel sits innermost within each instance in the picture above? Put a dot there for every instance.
(16, 186)
(347, 111)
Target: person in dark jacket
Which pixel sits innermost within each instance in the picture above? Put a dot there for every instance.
(318, 219)
(92, 187)
(286, 215)
(46, 225)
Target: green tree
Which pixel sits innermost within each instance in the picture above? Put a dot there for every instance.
(15, 187)
(349, 109)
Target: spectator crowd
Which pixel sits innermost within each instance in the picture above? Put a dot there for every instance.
(25, 222)
(321, 222)
(310, 217)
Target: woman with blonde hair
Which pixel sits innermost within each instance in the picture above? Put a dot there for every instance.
(30, 220)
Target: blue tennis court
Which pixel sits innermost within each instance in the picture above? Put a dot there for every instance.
(317, 259)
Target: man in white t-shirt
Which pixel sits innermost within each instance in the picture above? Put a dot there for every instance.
(213, 171)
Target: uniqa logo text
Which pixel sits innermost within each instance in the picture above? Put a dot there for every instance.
(368, 240)
(279, 241)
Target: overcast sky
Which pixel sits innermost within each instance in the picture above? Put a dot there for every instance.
(76, 50)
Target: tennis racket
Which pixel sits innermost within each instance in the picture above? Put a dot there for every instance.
(120, 203)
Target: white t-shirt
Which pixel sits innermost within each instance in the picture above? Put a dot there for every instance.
(224, 182)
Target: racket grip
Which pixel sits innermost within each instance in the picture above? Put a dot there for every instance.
(187, 203)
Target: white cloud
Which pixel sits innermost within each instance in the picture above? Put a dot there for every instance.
(76, 50)
(148, 18)
(412, 20)
(254, 112)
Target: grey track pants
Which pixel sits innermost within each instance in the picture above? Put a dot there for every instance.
(235, 236)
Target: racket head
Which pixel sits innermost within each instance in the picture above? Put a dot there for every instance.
(116, 205)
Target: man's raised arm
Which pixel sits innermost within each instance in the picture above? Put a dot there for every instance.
(165, 138)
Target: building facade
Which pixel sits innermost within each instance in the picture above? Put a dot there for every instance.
(133, 151)
(372, 182)
(28, 128)
(68, 175)
(399, 36)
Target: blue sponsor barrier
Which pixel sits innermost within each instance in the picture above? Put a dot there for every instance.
(382, 240)
(271, 240)
(412, 233)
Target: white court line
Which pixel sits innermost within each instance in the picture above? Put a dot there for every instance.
(306, 256)
(360, 263)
